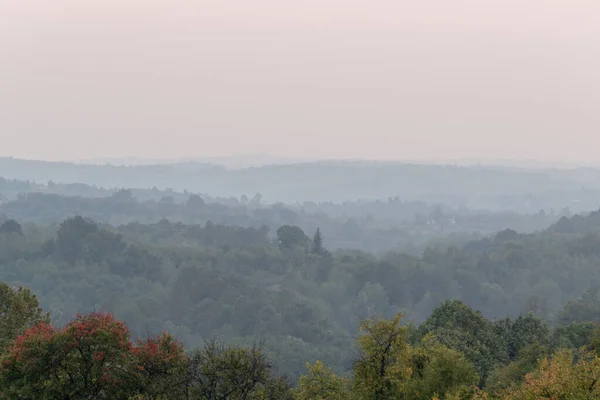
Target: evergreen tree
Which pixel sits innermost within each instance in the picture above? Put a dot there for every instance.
(317, 246)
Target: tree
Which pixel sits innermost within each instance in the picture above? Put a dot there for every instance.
(218, 372)
(11, 226)
(459, 327)
(317, 243)
(574, 335)
(561, 377)
(513, 374)
(256, 200)
(438, 370)
(161, 367)
(321, 383)
(277, 388)
(166, 206)
(585, 309)
(383, 365)
(20, 311)
(70, 237)
(91, 358)
(526, 331)
(123, 195)
(82, 361)
(291, 236)
(195, 202)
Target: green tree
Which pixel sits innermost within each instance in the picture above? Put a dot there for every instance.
(438, 370)
(195, 202)
(11, 226)
(291, 236)
(574, 335)
(321, 383)
(561, 376)
(20, 311)
(526, 331)
(584, 309)
(317, 243)
(383, 366)
(70, 238)
(231, 373)
(512, 374)
(277, 388)
(459, 327)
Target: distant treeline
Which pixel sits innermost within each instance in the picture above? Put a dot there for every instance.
(377, 226)
(477, 187)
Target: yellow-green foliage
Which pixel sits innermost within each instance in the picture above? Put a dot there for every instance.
(389, 368)
(321, 383)
(438, 370)
(384, 363)
(558, 377)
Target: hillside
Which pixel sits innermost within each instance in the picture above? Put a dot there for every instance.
(494, 188)
(200, 281)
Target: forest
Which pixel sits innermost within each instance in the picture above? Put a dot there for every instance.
(148, 293)
(494, 188)
(375, 226)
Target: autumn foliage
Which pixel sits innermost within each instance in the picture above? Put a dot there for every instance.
(93, 357)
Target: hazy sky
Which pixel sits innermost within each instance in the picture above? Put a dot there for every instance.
(321, 78)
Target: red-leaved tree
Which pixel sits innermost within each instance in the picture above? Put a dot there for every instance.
(93, 357)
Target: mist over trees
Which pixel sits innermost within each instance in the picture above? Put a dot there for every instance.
(475, 187)
(201, 296)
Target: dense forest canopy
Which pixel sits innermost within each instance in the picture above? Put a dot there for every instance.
(239, 283)
(455, 354)
(379, 225)
(468, 300)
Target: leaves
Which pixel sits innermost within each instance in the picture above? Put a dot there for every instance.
(90, 358)
(384, 362)
(19, 310)
(321, 383)
(221, 373)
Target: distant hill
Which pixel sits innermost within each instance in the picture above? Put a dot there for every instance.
(491, 187)
(232, 162)
(579, 224)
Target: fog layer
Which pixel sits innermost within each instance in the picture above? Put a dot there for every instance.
(336, 79)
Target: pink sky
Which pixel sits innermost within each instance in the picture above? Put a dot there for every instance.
(328, 78)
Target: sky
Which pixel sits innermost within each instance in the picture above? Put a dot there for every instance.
(376, 79)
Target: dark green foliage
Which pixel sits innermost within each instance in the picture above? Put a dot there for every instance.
(317, 243)
(20, 311)
(241, 268)
(374, 225)
(522, 332)
(457, 326)
(71, 238)
(584, 309)
(196, 202)
(578, 224)
(202, 280)
(513, 373)
(10, 226)
(574, 335)
(290, 237)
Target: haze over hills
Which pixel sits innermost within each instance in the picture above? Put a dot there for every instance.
(476, 186)
(240, 161)
(299, 200)
(232, 162)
